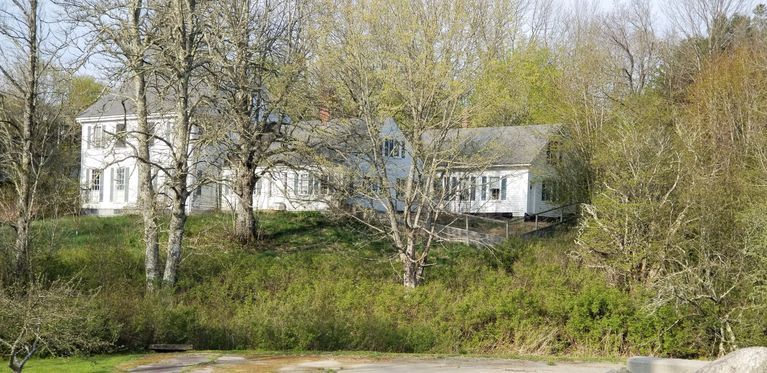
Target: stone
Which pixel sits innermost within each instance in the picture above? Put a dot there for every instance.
(745, 360)
(646, 364)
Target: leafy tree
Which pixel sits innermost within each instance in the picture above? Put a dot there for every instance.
(519, 89)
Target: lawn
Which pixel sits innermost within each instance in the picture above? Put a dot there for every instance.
(93, 364)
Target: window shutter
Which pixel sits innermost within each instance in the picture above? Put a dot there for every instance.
(125, 184)
(295, 184)
(111, 184)
(484, 188)
(88, 138)
(88, 185)
(503, 189)
(101, 186)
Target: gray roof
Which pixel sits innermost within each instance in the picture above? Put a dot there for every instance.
(509, 145)
(506, 145)
(120, 104)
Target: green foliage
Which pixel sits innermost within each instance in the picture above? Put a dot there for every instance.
(519, 89)
(322, 284)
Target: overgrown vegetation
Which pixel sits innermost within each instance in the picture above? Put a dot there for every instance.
(323, 284)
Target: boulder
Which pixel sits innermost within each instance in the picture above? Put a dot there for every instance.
(745, 360)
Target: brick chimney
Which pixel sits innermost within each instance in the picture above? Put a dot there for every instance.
(465, 122)
(326, 96)
(324, 114)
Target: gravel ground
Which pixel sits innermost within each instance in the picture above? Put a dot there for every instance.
(211, 363)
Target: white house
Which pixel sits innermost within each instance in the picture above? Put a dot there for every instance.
(108, 163)
(517, 181)
(513, 184)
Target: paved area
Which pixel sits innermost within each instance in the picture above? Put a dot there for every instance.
(212, 363)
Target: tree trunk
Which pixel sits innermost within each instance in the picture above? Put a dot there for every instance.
(21, 248)
(146, 189)
(410, 266)
(245, 229)
(175, 240)
(179, 193)
(24, 183)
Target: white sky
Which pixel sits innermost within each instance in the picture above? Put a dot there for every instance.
(52, 13)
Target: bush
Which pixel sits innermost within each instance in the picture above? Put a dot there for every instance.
(317, 284)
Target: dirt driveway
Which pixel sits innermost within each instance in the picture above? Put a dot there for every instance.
(214, 362)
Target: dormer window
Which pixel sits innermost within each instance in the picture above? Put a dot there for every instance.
(553, 153)
(393, 148)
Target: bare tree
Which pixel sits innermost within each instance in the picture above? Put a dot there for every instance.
(121, 31)
(411, 62)
(705, 20)
(30, 125)
(257, 57)
(46, 318)
(180, 47)
(634, 50)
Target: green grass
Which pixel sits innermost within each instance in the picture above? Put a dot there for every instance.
(92, 364)
(314, 283)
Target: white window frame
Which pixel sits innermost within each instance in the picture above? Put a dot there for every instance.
(97, 136)
(304, 184)
(96, 176)
(493, 187)
(121, 178)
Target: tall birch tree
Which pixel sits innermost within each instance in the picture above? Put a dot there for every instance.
(121, 30)
(180, 51)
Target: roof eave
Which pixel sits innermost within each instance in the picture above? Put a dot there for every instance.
(109, 118)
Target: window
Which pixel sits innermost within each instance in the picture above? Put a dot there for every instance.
(310, 185)
(120, 133)
(302, 184)
(495, 188)
(259, 184)
(547, 192)
(322, 186)
(121, 178)
(95, 180)
(198, 191)
(393, 148)
(467, 189)
(473, 195)
(553, 153)
(96, 138)
(160, 132)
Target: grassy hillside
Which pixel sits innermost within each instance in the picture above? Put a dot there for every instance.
(314, 283)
